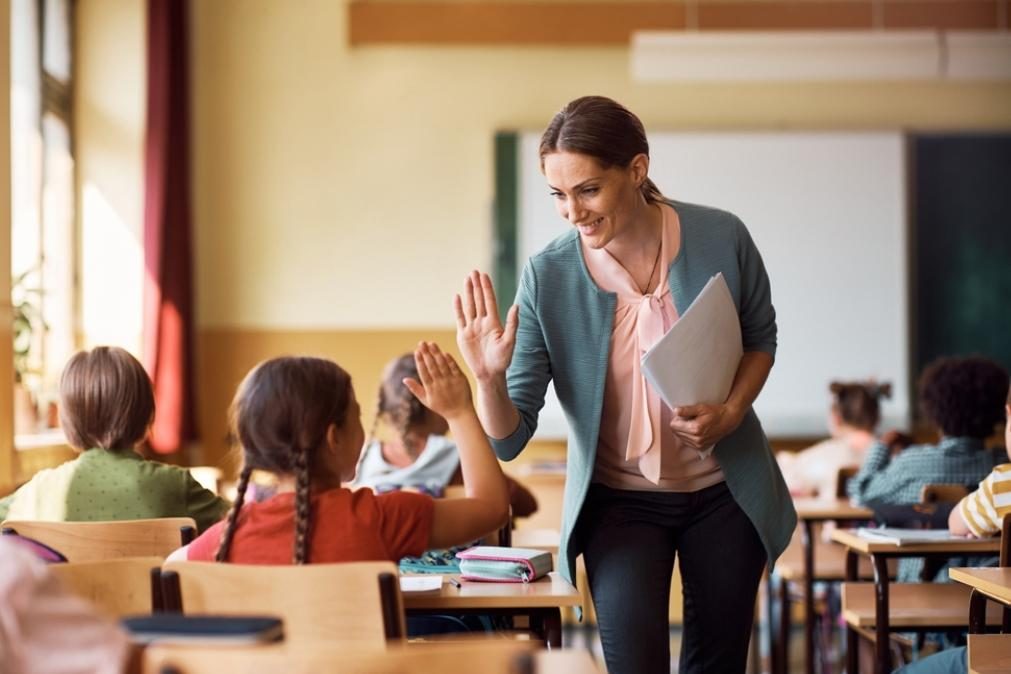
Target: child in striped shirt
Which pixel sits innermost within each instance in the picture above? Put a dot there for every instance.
(981, 512)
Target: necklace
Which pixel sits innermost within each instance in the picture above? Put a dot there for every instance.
(656, 261)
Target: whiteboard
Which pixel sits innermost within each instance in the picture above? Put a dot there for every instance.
(827, 211)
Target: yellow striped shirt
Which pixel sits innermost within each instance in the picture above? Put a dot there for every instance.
(984, 509)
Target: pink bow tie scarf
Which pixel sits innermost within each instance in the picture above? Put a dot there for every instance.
(644, 432)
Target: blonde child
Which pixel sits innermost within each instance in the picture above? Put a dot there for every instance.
(413, 451)
(106, 409)
(298, 418)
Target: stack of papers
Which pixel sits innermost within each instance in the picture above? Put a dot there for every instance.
(909, 536)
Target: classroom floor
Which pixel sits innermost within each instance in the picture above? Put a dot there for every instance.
(580, 636)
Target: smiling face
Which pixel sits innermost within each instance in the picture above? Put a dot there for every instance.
(597, 201)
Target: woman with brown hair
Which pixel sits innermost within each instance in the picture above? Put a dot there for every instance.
(642, 486)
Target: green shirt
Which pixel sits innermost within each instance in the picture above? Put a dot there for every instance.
(103, 485)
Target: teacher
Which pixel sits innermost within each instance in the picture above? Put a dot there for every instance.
(641, 486)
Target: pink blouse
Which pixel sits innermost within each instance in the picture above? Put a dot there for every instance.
(636, 448)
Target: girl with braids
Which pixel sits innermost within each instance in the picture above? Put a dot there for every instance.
(416, 454)
(852, 420)
(298, 418)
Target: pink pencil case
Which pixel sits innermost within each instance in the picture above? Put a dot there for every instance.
(503, 565)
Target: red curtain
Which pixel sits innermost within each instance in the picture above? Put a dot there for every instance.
(168, 302)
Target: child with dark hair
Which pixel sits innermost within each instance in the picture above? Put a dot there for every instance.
(964, 399)
(298, 418)
(853, 418)
(106, 409)
(417, 454)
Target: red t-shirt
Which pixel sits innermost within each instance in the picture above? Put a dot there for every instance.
(347, 526)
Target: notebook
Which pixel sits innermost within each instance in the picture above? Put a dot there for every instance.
(507, 565)
(173, 627)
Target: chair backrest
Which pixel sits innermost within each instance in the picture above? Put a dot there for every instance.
(488, 656)
(117, 587)
(350, 603)
(842, 478)
(942, 493)
(97, 541)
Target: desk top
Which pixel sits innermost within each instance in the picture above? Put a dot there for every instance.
(992, 581)
(552, 591)
(830, 509)
(989, 653)
(966, 546)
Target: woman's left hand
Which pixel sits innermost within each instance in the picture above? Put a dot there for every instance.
(701, 426)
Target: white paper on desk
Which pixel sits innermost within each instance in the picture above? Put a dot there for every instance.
(909, 536)
(428, 583)
(696, 361)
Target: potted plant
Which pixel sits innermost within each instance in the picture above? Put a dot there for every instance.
(27, 331)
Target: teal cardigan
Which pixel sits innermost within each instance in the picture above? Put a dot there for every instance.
(564, 334)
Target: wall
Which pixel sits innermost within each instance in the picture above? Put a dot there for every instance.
(330, 180)
(109, 126)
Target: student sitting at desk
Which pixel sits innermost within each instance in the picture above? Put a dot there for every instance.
(978, 514)
(852, 419)
(418, 455)
(298, 418)
(106, 409)
(981, 512)
(964, 398)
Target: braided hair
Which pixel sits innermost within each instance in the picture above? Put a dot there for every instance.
(280, 417)
(400, 408)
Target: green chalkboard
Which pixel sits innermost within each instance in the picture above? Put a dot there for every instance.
(960, 202)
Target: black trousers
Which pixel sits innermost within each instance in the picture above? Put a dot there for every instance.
(630, 539)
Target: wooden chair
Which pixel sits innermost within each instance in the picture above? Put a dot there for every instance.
(488, 656)
(98, 541)
(978, 601)
(117, 587)
(942, 493)
(843, 478)
(351, 603)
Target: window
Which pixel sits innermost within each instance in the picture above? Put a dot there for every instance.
(43, 208)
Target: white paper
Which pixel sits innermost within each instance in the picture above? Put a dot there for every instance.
(420, 583)
(696, 361)
(908, 536)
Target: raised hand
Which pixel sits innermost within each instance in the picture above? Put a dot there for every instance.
(486, 345)
(443, 387)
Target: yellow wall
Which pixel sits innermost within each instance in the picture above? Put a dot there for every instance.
(345, 193)
(109, 125)
(340, 196)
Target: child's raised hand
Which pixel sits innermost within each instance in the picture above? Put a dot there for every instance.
(443, 387)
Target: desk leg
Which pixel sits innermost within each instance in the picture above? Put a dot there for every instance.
(548, 622)
(807, 533)
(881, 643)
(852, 644)
(977, 612)
(785, 623)
(770, 625)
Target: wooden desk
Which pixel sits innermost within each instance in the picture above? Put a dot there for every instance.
(880, 552)
(542, 600)
(811, 511)
(487, 655)
(989, 653)
(987, 583)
